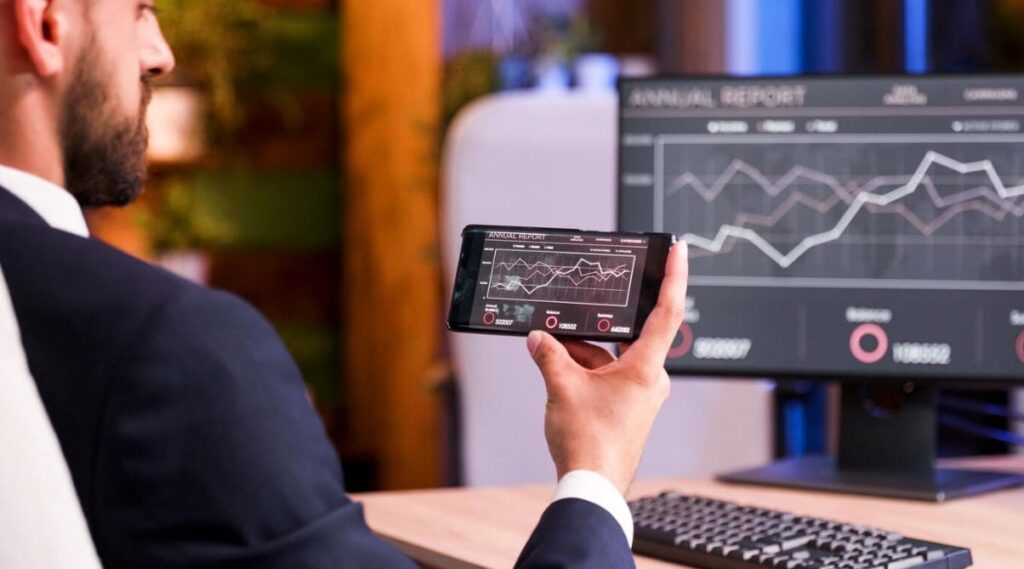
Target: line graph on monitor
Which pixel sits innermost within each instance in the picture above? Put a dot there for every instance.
(601, 279)
(934, 209)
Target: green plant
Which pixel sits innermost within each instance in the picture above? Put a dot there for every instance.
(242, 52)
(217, 46)
(467, 76)
(562, 37)
(245, 58)
(179, 223)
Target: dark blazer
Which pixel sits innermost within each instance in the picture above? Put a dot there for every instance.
(186, 426)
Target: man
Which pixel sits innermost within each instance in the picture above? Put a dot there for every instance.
(183, 420)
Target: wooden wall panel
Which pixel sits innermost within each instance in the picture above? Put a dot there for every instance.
(391, 71)
(691, 36)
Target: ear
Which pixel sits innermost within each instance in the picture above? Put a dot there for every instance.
(42, 27)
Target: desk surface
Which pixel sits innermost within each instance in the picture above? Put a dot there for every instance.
(486, 527)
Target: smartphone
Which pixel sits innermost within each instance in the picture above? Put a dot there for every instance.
(587, 285)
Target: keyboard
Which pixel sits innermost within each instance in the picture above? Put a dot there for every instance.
(716, 534)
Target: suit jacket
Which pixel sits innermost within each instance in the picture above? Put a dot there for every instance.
(186, 426)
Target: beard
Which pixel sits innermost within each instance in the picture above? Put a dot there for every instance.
(104, 151)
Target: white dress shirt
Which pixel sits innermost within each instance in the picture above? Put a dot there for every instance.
(60, 210)
(53, 203)
(595, 488)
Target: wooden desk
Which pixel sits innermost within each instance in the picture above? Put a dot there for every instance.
(486, 527)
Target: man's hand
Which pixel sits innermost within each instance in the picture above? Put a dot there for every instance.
(600, 410)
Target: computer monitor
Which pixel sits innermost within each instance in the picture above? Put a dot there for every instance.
(863, 229)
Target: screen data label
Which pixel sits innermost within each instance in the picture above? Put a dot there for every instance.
(837, 226)
(565, 283)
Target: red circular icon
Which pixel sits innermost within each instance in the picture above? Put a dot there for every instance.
(686, 342)
(1020, 347)
(489, 318)
(551, 322)
(873, 356)
(603, 325)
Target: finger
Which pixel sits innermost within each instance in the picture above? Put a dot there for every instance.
(663, 322)
(589, 355)
(550, 356)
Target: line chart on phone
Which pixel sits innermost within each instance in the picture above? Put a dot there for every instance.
(599, 279)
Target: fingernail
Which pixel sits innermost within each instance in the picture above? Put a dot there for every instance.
(533, 340)
(684, 248)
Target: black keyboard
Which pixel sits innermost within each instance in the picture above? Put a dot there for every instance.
(715, 534)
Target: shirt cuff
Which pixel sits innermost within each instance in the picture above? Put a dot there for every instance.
(596, 489)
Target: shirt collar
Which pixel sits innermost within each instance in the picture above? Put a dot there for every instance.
(53, 203)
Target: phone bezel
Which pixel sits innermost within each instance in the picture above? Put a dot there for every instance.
(468, 270)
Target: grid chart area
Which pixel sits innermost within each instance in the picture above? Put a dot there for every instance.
(921, 211)
(600, 279)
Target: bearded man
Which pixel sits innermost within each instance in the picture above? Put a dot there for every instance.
(182, 418)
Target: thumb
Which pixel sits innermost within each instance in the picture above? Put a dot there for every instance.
(549, 354)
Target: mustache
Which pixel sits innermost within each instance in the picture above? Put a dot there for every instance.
(147, 90)
(142, 128)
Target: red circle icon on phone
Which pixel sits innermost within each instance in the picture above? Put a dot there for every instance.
(489, 318)
(551, 322)
(603, 325)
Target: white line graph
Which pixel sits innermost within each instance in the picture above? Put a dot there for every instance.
(586, 269)
(662, 141)
(957, 203)
(845, 193)
(566, 277)
(864, 198)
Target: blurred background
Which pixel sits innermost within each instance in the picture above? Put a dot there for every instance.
(298, 159)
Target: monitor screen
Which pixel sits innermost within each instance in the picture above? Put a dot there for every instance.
(839, 227)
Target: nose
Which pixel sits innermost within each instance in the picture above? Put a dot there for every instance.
(156, 57)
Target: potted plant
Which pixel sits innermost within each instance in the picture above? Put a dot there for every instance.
(180, 229)
(217, 46)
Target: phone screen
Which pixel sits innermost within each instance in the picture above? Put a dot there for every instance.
(592, 285)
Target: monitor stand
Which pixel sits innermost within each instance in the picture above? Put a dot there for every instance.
(887, 439)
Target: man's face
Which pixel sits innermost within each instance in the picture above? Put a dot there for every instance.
(102, 123)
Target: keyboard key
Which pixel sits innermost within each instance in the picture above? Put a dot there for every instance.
(712, 547)
(745, 554)
(795, 542)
